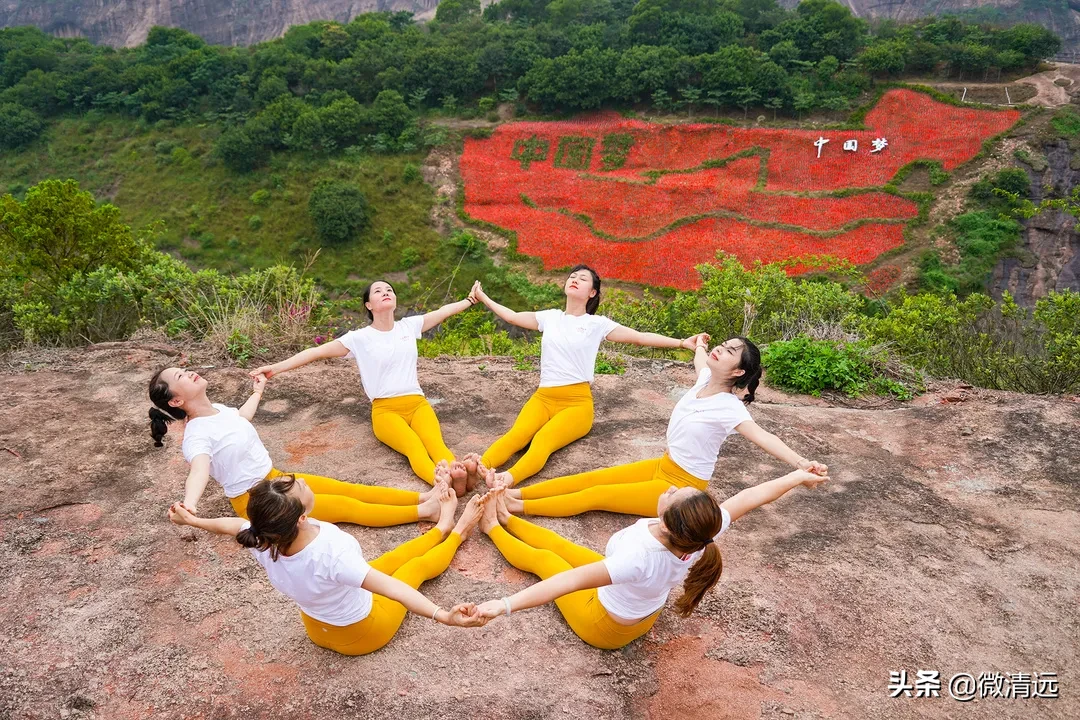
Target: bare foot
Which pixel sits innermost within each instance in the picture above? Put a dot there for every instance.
(513, 493)
(469, 519)
(515, 506)
(429, 493)
(447, 507)
(501, 510)
(490, 520)
(429, 509)
(501, 480)
(472, 469)
(442, 473)
(458, 477)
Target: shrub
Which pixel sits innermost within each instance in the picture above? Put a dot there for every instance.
(18, 126)
(411, 174)
(260, 197)
(338, 209)
(255, 222)
(812, 366)
(609, 364)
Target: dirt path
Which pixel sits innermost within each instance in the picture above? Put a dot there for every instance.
(1050, 94)
(947, 541)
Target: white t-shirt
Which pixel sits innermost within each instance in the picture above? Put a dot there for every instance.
(568, 346)
(643, 571)
(324, 578)
(238, 459)
(386, 360)
(699, 426)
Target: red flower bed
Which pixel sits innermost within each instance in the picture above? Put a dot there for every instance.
(646, 202)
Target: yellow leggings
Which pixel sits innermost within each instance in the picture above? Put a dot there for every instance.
(552, 418)
(631, 489)
(540, 551)
(408, 424)
(420, 559)
(337, 501)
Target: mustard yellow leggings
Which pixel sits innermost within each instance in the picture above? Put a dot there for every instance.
(631, 489)
(337, 501)
(408, 424)
(552, 418)
(540, 551)
(420, 559)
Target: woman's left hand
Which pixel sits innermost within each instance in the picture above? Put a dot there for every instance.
(695, 341)
(491, 609)
(813, 466)
(465, 615)
(258, 383)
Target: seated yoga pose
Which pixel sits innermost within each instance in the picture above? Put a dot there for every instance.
(385, 355)
(220, 441)
(612, 599)
(347, 604)
(699, 424)
(561, 410)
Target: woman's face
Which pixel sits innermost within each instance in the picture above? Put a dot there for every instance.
(184, 385)
(304, 494)
(579, 285)
(724, 359)
(381, 297)
(672, 496)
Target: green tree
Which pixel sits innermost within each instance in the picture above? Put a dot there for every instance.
(59, 231)
(18, 126)
(390, 114)
(455, 11)
(338, 209)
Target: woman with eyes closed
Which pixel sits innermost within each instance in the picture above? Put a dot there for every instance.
(699, 425)
(561, 409)
(220, 442)
(385, 354)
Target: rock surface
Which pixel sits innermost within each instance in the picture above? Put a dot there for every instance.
(946, 540)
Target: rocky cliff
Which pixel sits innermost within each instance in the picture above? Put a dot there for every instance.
(242, 22)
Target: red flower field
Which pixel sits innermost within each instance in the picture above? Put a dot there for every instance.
(647, 202)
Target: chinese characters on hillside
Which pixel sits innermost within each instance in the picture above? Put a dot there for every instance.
(852, 145)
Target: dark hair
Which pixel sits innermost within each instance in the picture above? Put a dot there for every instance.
(594, 301)
(367, 296)
(750, 364)
(273, 514)
(691, 526)
(160, 395)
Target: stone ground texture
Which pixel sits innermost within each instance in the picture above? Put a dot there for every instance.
(947, 539)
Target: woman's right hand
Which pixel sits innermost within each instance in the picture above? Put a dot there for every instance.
(181, 514)
(491, 609)
(266, 370)
(478, 292)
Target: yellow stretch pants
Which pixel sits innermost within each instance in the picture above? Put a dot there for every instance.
(337, 501)
(408, 424)
(629, 489)
(420, 559)
(540, 551)
(552, 418)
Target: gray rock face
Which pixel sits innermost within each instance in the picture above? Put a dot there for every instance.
(220, 22)
(1050, 254)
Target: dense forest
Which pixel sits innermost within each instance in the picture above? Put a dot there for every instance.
(329, 86)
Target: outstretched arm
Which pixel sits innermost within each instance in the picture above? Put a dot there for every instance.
(586, 577)
(435, 317)
(701, 352)
(525, 320)
(777, 448)
(322, 352)
(754, 497)
(415, 601)
(198, 476)
(247, 410)
(180, 514)
(631, 336)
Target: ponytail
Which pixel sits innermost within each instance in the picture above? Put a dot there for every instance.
(703, 575)
(160, 395)
(691, 526)
(750, 364)
(274, 515)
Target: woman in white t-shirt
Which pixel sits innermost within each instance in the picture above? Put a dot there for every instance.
(700, 423)
(347, 604)
(561, 410)
(612, 599)
(385, 354)
(220, 442)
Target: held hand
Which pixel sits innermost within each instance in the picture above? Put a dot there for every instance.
(491, 609)
(809, 479)
(474, 293)
(478, 291)
(180, 514)
(465, 615)
(813, 466)
(259, 383)
(701, 340)
(267, 371)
